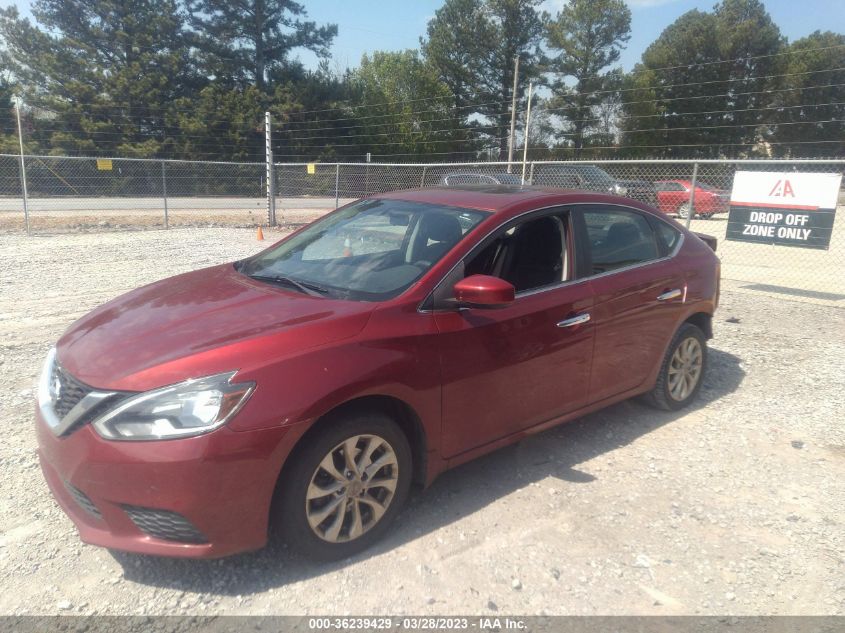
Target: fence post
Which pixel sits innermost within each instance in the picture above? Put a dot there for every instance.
(271, 184)
(422, 179)
(530, 174)
(23, 167)
(164, 193)
(691, 211)
(337, 186)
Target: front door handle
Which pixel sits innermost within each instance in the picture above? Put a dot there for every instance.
(670, 294)
(576, 320)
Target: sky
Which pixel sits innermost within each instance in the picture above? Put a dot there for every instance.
(368, 25)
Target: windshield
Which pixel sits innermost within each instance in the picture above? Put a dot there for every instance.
(370, 251)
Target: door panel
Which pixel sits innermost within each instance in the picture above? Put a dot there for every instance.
(508, 369)
(632, 325)
(638, 295)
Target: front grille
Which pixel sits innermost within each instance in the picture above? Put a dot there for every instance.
(164, 524)
(70, 391)
(83, 500)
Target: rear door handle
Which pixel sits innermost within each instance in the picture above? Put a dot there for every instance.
(670, 294)
(576, 320)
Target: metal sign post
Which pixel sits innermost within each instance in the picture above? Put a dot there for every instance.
(164, 193)
(527, 130)
(693, 183)
(271, 181)
(23, 167)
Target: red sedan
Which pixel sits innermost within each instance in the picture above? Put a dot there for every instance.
(673, 197)
(307, 387)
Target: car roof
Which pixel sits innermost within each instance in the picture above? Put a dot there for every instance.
(503, 198)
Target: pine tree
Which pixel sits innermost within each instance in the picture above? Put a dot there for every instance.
(589, 35)
(105, 71)
(245, 41)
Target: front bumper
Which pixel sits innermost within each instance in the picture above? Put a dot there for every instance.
(200, 497)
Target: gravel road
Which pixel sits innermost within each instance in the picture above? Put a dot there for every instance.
(733, 507)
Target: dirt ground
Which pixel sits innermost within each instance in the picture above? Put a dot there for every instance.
(732, 507)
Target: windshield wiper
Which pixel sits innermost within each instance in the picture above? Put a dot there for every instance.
(303, 286)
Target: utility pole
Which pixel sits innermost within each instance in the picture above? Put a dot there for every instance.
(23, 166)
(271, 181)
(527, 130)
(513, 113)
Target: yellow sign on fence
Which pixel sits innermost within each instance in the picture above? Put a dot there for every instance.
(104, 164)
(312, 168)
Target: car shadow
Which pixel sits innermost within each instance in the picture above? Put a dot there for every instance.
(454, 495)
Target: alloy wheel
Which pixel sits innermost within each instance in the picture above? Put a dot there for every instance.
(352, 488)
(685, 369)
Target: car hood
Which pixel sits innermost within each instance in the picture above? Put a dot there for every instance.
(197, 324)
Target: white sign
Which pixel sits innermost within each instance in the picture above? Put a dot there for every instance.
(785, 190)
(786, 208)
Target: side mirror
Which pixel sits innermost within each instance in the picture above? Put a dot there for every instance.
(484, 291)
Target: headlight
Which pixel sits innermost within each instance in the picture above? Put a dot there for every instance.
(620, 190)
(189, 408)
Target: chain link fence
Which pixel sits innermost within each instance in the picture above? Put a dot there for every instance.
(70, 193)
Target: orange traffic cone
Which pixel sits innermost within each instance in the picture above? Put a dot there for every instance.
(259, 235)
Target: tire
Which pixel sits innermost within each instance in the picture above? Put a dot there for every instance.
(294, 513)
(684, 210)
(667, 394)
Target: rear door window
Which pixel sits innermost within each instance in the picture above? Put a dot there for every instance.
(616, 238)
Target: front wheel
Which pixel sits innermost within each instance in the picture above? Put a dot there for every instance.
(684, 210)
(682, 370)
(342, 491)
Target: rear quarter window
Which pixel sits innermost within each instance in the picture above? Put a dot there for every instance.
(667, 237)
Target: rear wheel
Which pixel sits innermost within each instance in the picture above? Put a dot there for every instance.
(684, 210)
(342, 492)
(682, 370)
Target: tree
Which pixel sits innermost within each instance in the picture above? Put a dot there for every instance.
(458, 44)
(589, 35)
(243, 41)
(814, 90)
(749, 37)
(679, 84)
(704, 86)
(105, 70)
(517, 30)
(8, 124)
(472, 45)
(391, 119)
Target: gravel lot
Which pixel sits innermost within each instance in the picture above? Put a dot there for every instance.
(734, 507)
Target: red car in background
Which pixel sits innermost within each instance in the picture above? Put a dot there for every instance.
(673, 197)
(306, 387)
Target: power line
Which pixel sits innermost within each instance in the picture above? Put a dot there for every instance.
(254, 129)
(736, 59)
(694, 113)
